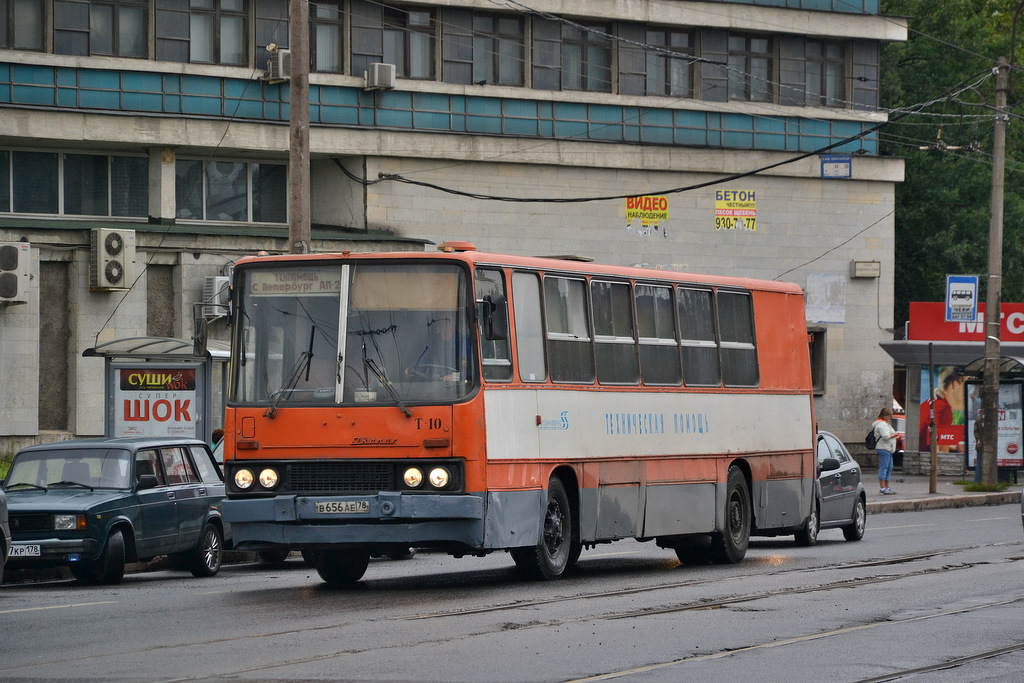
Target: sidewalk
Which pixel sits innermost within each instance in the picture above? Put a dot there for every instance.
(912, 493)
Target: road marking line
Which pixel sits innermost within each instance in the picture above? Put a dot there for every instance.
(74, 604)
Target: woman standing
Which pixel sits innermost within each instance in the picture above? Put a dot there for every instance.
(885, 446)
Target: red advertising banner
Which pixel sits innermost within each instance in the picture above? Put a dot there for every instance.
(927, 323)
(154, 401)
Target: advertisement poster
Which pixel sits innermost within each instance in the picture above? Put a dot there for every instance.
(154, 401)
(735, 209)
(950, 416)
(1011, 429)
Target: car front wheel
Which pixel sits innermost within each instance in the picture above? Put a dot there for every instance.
(108, 568)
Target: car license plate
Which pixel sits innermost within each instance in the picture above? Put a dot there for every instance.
(343, 506)
(25, 550)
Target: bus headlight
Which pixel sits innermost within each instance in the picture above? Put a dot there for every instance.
(243, 479)
(268, 478)
(439, 477)
(412, 477)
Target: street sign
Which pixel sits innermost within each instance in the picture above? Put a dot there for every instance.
(961, 298)
(836, 166)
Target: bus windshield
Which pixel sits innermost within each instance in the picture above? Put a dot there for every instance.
(353, 333)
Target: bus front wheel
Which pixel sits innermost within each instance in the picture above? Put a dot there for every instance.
(730, 545)
(341, 567)
(550, 559)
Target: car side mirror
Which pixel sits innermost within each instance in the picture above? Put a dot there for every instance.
(146, 481)
(828, 464)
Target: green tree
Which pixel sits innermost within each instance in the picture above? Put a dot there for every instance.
(943, 206)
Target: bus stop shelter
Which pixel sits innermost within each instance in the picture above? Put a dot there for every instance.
(159, 386)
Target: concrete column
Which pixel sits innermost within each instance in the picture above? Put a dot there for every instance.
(162, 201)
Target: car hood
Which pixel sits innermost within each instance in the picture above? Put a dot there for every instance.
(34, 500)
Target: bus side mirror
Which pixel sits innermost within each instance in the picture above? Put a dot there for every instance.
(493, 316)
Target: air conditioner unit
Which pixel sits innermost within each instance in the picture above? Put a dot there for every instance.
(111, 259)
(380, 76)
(216, 293)
(279, 68)
(14, 272)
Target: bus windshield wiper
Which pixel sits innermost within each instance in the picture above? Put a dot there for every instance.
(301, 365)
(386, 383)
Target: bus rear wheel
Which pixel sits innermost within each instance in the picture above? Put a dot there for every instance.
(556, 550)
(730, 545)
(341, 567)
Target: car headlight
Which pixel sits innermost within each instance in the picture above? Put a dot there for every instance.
(268, 478)
(68, 522)
(439, 477)
(412, 477)
(243, 479)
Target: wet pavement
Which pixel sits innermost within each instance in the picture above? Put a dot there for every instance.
(913, 492)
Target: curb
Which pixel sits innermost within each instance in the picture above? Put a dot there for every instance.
(938, 502)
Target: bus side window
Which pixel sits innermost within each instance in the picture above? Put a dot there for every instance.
(614, 343)
(697, 336)
(492, 305)
(736, 328)
(659, 351)
(529, 327)
(569, 348)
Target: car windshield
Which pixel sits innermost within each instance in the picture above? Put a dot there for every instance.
(85, 467)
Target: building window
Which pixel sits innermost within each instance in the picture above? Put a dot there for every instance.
(498, 49)
(409, 42)
(21, 24)
(482, 48)
(117, 28)
(750, 68)
(201, 31)
(670, 69)
(328, 28)
(231, 191)
(825, 74)
(817, 347)
(272, 26)
(586, 57)
(74, 184)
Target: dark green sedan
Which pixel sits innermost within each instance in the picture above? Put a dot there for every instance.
(94, 505)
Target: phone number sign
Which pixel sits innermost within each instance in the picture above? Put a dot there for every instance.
(735, 209)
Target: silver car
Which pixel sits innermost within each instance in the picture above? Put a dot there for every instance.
(841, 499)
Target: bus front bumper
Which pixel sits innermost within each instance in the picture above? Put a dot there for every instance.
(387, 517)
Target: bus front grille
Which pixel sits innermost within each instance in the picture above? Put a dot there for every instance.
(340, 477)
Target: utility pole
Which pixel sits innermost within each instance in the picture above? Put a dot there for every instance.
(993, 319)
(298, 129)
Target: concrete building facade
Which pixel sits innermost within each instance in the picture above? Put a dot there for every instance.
(521, 127)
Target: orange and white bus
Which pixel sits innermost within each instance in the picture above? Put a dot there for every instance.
(471, 402)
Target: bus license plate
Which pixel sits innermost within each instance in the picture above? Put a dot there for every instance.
(25, 550)
(343, 507)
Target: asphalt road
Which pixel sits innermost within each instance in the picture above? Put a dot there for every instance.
(933, 595)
